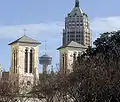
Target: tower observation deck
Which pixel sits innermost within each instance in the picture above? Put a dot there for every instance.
(45, 60)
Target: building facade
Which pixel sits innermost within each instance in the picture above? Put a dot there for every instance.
(77, 27)
(24, 62)
(68, 54)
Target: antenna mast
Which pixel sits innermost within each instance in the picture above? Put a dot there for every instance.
(45, 46)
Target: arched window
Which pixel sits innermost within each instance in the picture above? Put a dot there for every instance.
(14, 61)
(26, 60)
(63, 61)
(31, 61)
(74, 56)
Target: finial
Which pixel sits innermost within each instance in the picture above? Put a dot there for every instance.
(76, 3)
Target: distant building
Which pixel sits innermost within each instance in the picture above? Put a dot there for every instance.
(76, 37)
(77, 27)
(45, 60)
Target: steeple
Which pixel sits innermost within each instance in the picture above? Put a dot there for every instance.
(76, 3)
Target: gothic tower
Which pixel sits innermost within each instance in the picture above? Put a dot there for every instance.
(24, 61)
(77, 27)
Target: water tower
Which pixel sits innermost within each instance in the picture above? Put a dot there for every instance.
(45, 60)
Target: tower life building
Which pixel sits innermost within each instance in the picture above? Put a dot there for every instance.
(77, 27)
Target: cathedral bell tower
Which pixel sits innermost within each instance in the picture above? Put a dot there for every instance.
(24, 61)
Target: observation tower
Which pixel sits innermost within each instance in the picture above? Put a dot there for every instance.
(45, 60)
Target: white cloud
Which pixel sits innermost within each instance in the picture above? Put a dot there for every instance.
(107, 24)
(50, 32)
(54, 29)
(34, 30)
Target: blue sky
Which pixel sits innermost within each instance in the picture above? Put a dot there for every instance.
(44, 20)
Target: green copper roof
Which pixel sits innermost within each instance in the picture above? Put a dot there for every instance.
(25, 39)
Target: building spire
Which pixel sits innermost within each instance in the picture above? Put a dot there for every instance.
(76, 3)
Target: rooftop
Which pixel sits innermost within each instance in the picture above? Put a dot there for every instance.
(77, 11)
(73, 44)
(25, 39)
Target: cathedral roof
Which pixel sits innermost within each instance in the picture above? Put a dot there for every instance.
(25, 39)
(73, 44)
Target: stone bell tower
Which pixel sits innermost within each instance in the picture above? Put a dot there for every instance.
(24, 61)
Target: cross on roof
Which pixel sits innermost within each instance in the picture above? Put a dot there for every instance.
(24, 30)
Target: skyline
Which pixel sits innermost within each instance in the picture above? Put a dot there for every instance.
(47, 18)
